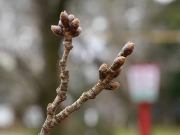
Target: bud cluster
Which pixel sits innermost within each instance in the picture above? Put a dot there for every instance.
(68, 25)
(116, 67)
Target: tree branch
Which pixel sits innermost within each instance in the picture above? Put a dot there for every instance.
(69, 28)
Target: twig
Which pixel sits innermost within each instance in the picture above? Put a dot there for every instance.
(69, 27)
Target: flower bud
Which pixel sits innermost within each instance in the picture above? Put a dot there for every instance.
(127, 49)
(118, 72)
(74, 25)
(77, 32)
(57, 30)
(103, 71)
(71, 18)
(60, 24)
(118, 62)
(112, 86)
(64, 19)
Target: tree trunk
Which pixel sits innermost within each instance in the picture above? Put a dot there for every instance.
(48, 12)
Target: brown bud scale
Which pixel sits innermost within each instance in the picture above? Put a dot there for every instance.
(112, 86)
(57, 30)
(74, 25)
(60, 24)
(127, 49)
(64, 19)
(77, 32)
(118, 62)
(118, 72)
(71, 18)
(103, 71)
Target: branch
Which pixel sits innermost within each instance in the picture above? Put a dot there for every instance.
(69, 29)
(104, 83)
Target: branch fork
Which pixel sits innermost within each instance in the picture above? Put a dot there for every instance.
(68, 27)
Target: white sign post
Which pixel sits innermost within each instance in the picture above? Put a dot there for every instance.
(143, 81)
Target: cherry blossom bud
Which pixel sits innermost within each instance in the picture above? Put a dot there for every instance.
(74, 25)
(127, 49)
(60, 24)
(57, 30)
(71, 18)
(103, 71)
(112, 86)
(64, 19)
(77, 32)
(118, 62)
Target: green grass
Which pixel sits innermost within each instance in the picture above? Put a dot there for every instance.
(158, 130)
(166, 131)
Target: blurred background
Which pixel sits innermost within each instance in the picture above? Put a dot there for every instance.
(29, 71)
